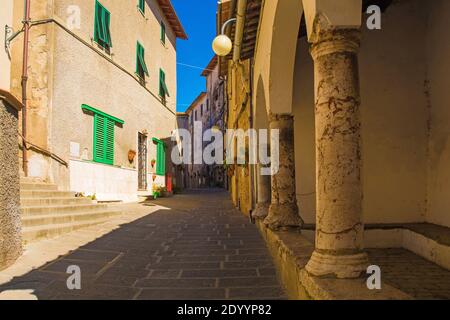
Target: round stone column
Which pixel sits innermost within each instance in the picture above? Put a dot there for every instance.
(283, 210)
(263, 197)
(339, 226)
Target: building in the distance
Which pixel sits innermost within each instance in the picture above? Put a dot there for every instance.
(102, 93)
(217, 100)
(198, 122)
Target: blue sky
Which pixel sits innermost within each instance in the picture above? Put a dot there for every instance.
(199, 20)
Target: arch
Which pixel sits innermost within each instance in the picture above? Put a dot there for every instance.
(275, 56)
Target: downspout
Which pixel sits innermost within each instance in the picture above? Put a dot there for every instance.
(26, 30)
(240, 23)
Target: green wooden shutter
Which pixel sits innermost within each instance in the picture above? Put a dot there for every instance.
(163, 32)
(109, 142)
(142, 5)
(99, 138)
(160, 157)
(102, 34)
(141, 67)
(103, 140)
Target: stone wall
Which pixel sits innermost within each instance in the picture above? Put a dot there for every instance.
(10, 227)
(239, 118)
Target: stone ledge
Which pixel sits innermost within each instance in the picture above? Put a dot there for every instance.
(10, 99)
(291, 252)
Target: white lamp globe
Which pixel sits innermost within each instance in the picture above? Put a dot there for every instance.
(222, 45)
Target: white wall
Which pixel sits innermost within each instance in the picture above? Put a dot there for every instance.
(6, 13)
(394, 115)
(105, 182)
(438, 74)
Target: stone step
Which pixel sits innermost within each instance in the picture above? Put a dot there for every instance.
(37, 202)
(37, 186)
(61, 209)
(31, 234)
(57, 219)
(46, 194)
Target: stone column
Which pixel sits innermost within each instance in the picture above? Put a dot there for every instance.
(10, 226)
(263, 197)
(339, 230)
(283, 210)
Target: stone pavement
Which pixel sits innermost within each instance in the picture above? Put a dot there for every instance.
(191, 246)
(412, 274)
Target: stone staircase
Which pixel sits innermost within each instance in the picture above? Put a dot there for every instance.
(47, 212)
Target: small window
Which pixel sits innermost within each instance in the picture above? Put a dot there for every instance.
(141, 67)
(163, 33)
(160, 157)
(195, 115)
(141, 6)
(201, 111)
(102, 34)
(163, 91)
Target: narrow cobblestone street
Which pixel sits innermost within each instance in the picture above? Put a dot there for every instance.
(199, 248)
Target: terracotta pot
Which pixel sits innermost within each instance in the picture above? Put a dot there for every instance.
(153, 163)
(154, 177)
(131, 155)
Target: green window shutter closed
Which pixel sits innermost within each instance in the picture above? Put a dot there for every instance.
(160, 157)
(104, 126)
(103, 140)
(99, 138)
(163, 32)
(102, 34)
(109, 145)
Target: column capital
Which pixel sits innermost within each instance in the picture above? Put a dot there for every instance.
(335, 40)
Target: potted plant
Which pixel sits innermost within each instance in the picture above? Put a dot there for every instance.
(153, 163)
(156, 191)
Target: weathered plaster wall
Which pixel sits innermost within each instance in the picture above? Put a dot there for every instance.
(83, 76)
(238, 117)
(437, 90)
(6, 15)
(10, 226)
(66, 73)
(393, 114)
(39, 87)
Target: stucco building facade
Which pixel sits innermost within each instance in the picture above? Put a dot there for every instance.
(102, 93)
(10, 224)
(362, 137)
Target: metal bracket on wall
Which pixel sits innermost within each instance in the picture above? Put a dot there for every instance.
(10, 35)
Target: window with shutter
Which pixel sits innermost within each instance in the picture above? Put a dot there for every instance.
(141, 6)
(141, 67)
(163, 91)
(102, 34)
(160, 157)
(163, 33)
(104, 126)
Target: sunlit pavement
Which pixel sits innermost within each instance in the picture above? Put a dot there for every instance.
(191, 246)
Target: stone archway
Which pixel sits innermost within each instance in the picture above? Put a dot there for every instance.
(274, 69)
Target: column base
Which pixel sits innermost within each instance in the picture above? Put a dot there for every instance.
(283, 216)
(261, 211)
(341, 266)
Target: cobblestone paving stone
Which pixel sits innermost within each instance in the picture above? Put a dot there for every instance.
(199, 248)
(412, 274)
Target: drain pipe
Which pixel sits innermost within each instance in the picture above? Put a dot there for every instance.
(26, 33)
(240, 15)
